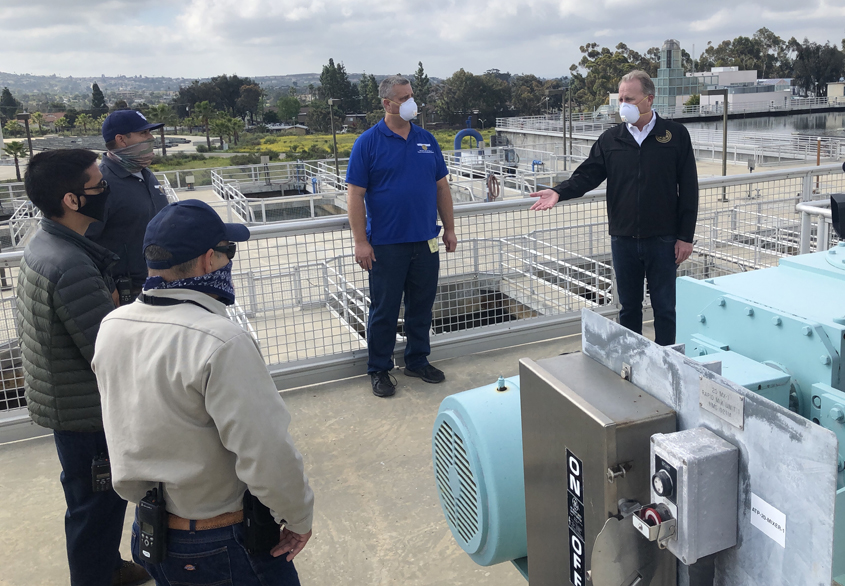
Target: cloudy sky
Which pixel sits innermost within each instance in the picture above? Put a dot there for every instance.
(197, 38)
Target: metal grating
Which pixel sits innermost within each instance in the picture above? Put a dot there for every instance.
(456, 482)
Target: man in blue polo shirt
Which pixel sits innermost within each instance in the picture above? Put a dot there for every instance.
(397, 184)
(136, 197)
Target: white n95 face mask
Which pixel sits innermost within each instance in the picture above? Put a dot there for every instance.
(629, 113)
(408, 109)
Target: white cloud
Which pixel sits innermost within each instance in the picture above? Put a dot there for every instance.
(193, 38)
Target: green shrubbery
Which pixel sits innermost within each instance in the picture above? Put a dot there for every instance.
(253, 158)
(176, 158)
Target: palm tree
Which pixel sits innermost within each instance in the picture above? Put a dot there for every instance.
(189, 122)
(221, 126)
(162, 113)
(85, 120)
(62, 123)
(16, 150)
(237, 126)
(204, 112)
(38, 118)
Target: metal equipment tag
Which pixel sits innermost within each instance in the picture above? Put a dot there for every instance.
(724, 403)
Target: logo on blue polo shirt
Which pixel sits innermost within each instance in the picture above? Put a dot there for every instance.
(424, 148)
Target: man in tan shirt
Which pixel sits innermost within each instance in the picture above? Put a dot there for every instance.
(188, 402)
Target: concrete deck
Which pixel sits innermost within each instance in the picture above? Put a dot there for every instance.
(377, 516)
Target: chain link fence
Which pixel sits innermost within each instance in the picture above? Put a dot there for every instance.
(517, 275)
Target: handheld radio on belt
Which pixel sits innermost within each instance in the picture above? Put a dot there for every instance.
(124, 290)
(101, 474)
(152, 517)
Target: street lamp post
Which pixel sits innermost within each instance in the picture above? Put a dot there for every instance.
(724, 93)
(569, 110)
(332, 103)
(562, 118)
(24, 116)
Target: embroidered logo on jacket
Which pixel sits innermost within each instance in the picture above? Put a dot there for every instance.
(665, 138)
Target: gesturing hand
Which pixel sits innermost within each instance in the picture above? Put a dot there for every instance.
(548, 199)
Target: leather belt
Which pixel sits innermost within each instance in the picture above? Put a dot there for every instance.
(224, 520)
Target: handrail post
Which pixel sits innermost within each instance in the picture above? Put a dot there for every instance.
(806, 227)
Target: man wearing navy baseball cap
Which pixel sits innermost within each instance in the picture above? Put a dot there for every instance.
(188, 404)
(136, 197)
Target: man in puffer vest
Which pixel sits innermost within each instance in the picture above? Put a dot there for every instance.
(64, 291)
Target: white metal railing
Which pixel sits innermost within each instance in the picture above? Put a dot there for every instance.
(475, 175)
(552, 122)
(762, 148)
(816, 217)
(743, 146)
(24, 219)
(9, 192)
(237, 206)
(298, 175)
(306, 301)
(169, 192)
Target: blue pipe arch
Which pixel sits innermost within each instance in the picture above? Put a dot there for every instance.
(468, 132)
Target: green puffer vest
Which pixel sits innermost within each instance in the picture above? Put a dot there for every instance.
(63, 294)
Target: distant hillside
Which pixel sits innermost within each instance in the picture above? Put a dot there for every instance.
(54, 84)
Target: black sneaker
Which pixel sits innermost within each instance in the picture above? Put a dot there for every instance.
(384, 385)
(428, 373)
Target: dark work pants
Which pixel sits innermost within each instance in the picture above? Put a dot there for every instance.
(408, 269)
(214, 557)
(94, 520)
(651, 259)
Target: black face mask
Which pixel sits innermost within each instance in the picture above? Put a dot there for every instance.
(95, 205)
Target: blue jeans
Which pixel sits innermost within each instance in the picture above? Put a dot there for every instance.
(410, 269)
(215, 557)
(94, 520)
(652, 259)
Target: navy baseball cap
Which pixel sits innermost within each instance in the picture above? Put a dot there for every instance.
(124, 122)
(188, 229)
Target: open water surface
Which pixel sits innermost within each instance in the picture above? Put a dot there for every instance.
(825, 124)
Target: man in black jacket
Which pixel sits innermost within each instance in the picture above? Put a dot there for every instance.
(652, 202)
(136, 196)
(64, 291)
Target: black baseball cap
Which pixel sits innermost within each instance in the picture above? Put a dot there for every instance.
(188, 229)
(124, 122)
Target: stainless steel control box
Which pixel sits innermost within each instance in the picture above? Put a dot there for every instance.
(586, 434)
(694, 474)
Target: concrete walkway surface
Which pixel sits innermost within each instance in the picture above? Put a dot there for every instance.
(378, 520)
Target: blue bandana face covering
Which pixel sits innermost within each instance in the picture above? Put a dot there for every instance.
(217, 283)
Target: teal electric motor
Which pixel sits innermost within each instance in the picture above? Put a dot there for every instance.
(477, 450)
